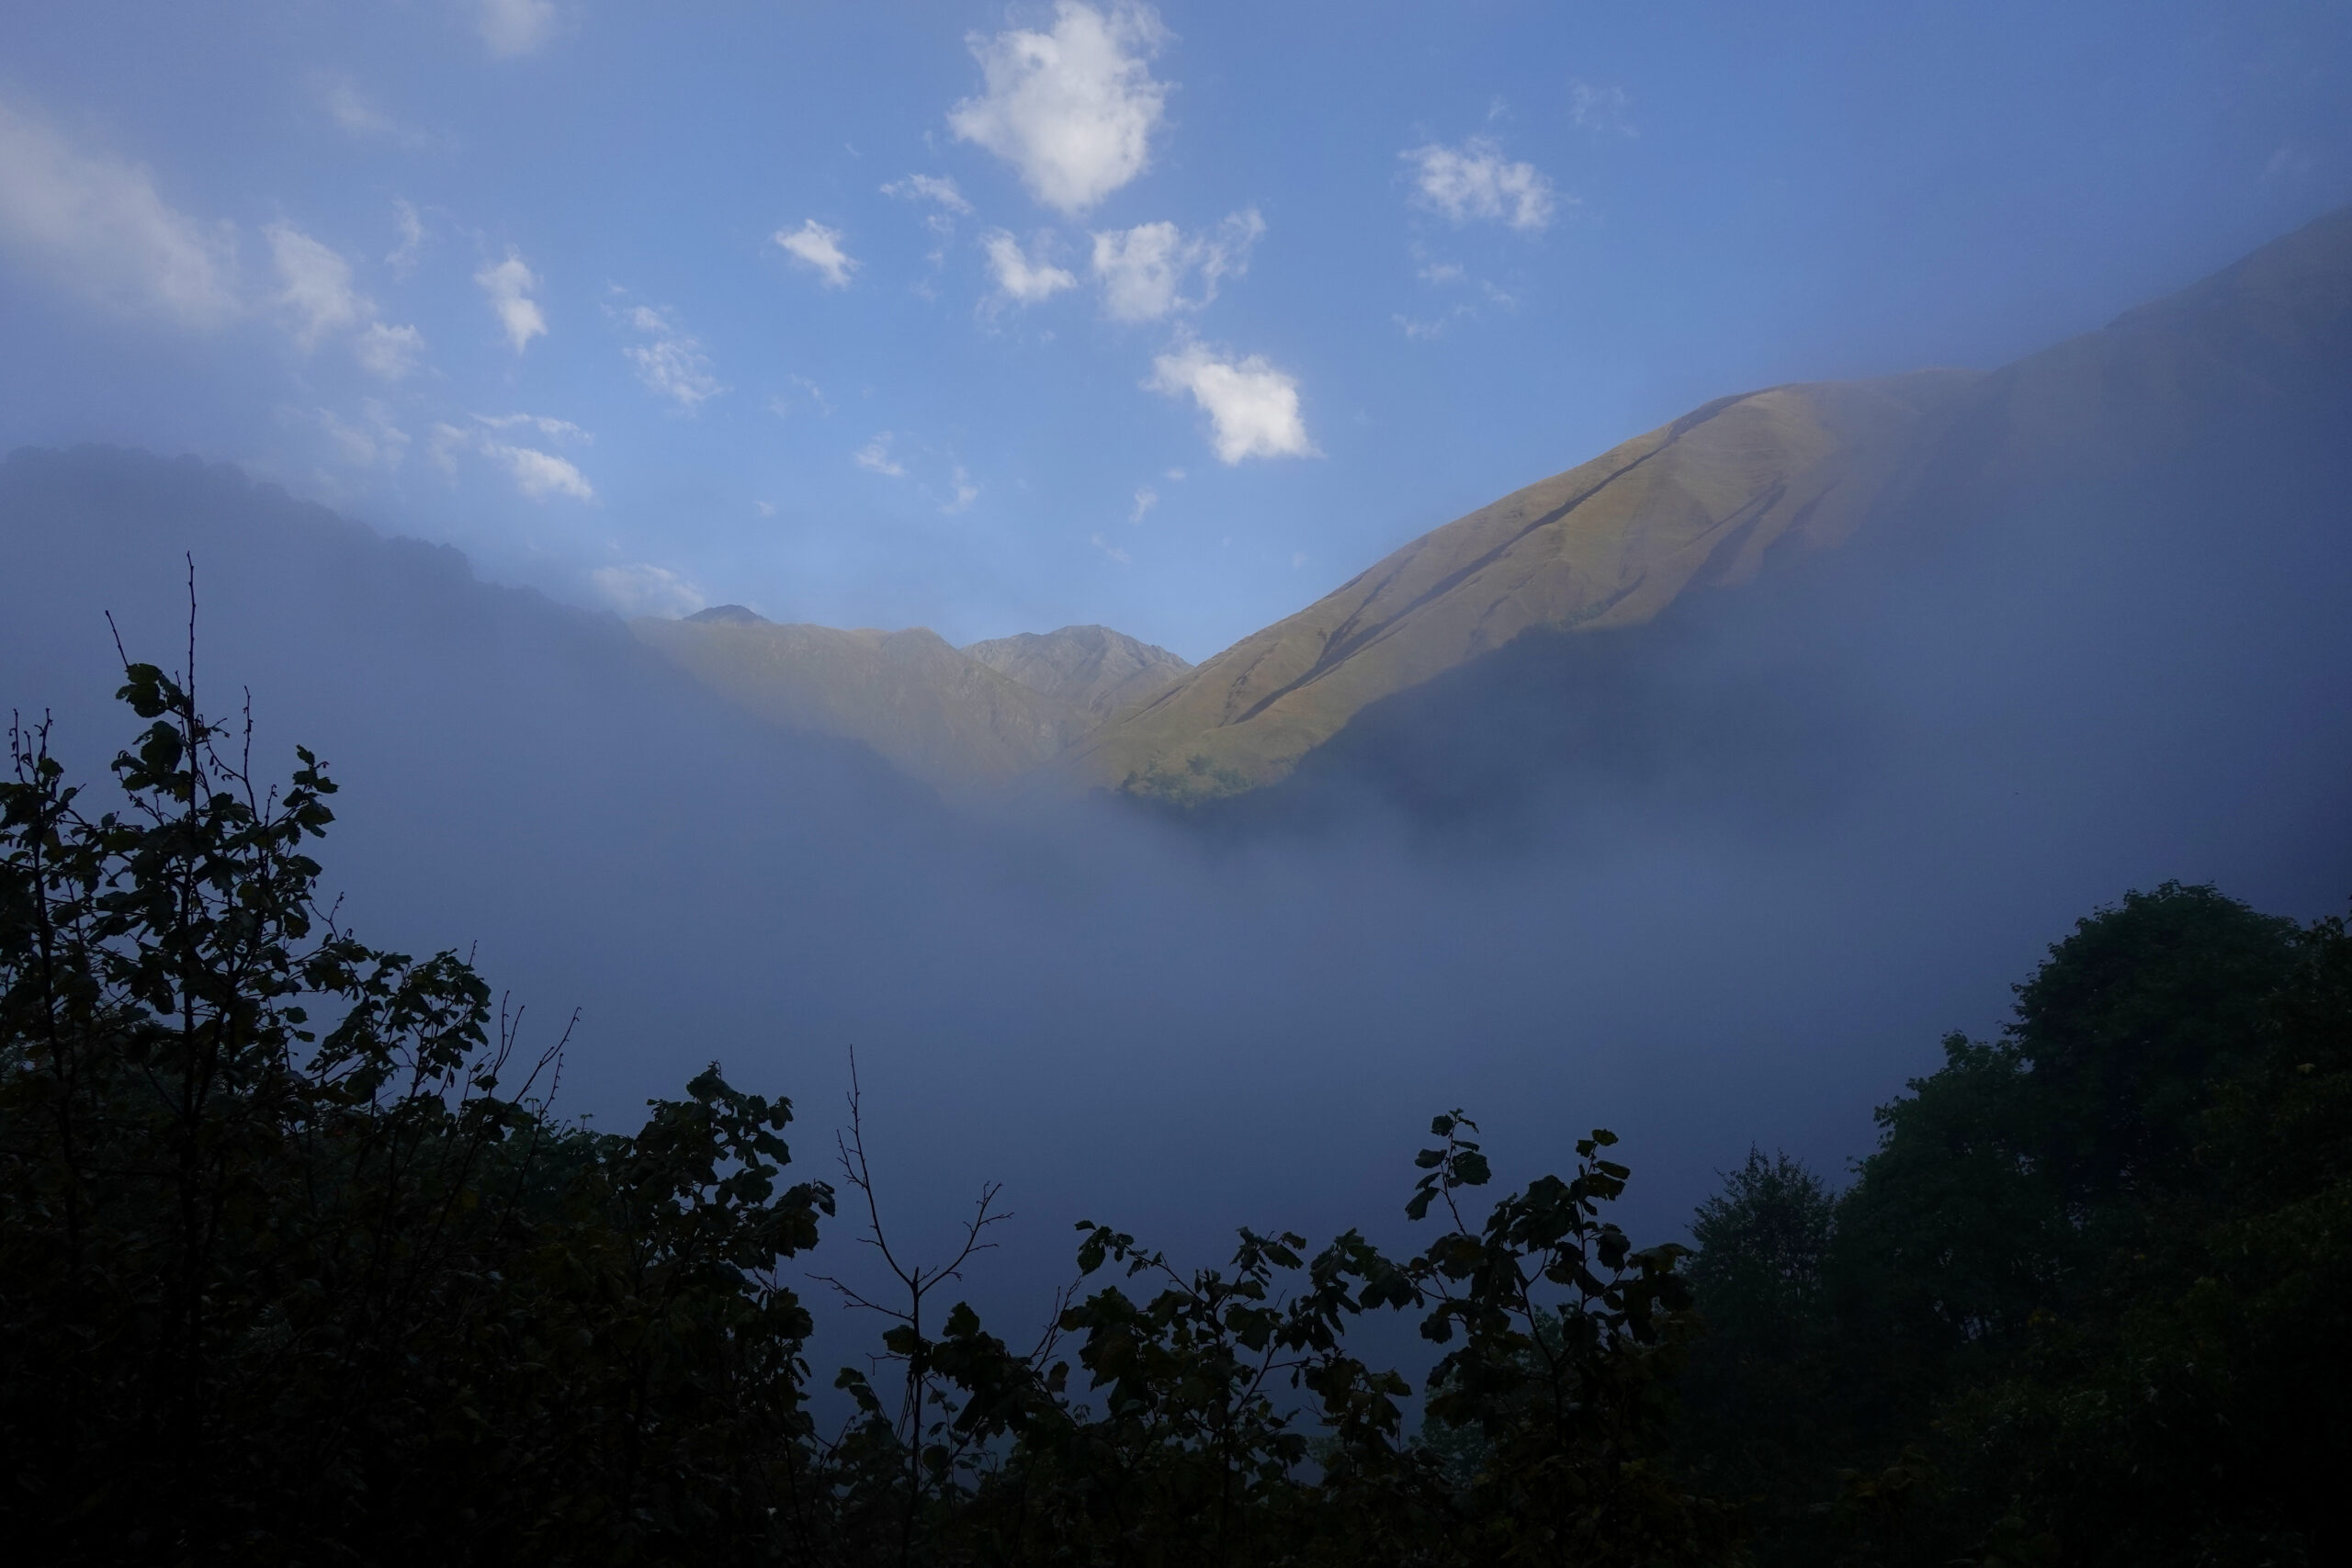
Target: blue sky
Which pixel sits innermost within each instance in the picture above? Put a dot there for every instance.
(993, 317)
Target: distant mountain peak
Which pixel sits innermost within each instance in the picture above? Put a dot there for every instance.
(1094, 669)
(730, 615)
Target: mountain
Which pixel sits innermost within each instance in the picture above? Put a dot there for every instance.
(1750, 486)
(944, 717)
(1092, 669)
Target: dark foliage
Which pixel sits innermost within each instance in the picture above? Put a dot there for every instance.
(2086, 1303)
(297, 1265)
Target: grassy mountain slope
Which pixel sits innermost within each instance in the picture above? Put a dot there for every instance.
(1776, 475)
(948, 719)
(1608, 544)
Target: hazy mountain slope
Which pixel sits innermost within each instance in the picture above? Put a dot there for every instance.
(1701, 503)
(945, 719)
(1092, 669)
(1605, 545)
(2126, 556)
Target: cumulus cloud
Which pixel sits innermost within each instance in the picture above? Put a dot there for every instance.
(1019, 279)
(935, 188)
(814, 245)
(1143, 270)
(644, 589)
(98, 224)
(514, 26)
(875, 458)
(510, 284)
(401, 259)
(1474, 181)
(1252, 407)
(670, 361)
(1072, 109)
(1602, 109)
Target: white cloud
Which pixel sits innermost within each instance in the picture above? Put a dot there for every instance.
(643, 589)
(553, 429)
(1443, 273)
(388, 351)
(540, 474)
(1252, 407)
(764, 508)
(1143, 269)
(1113, 551)
(514, 26)
(672, 362)
(402, 256)
(1297, 560)
(815, 245)
(781, 404)
(1072, 110)
(315, 292)
(377, 443)
(509, 283)
(314, 284)
(98, 224)
(353, 111)
(1017, 278)
(1472, 181)
(930, 187)
(965, 491)
(1145, 501)
(536, 473)
(1602, 109)
(875, 458)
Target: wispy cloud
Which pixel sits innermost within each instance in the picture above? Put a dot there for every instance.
(514, 26)
(539, 475)
(510, 285)
(964, 490)
(815, 246)
(317, 298)
(387, 351)
(314, 284)
(1252, 407)
(96, 223)
(1145, 501)
(669, 361)
(1604, 110)
(935, 188)
(401, 259)
(357, 115)
(1072, 109)
(644, 589)
(1142, 271)
(1019, 279)
(875, 458)
(1474, 181)
(551, 428)
(373, 442)
(1111, 551)
(536, 474)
